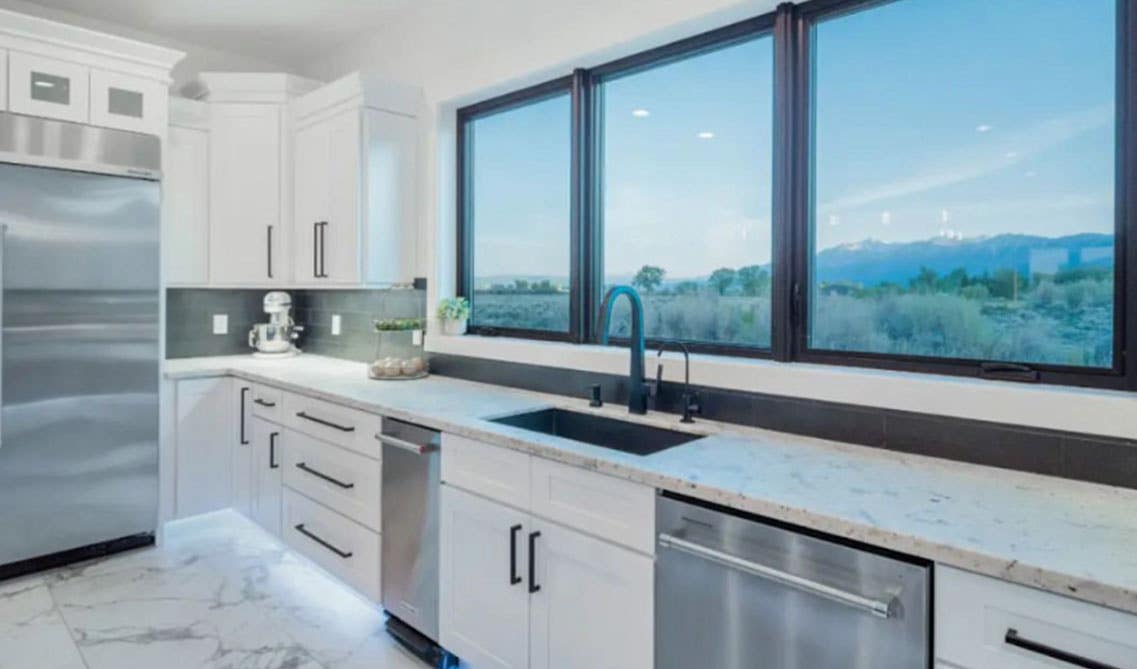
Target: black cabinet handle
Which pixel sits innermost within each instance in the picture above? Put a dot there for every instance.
(343, 554)
(270, 251)
(323, 227)
(321, 421)
(514, 579)
(316, 250)
(244, 437)
(533, 587)
(1012, 638)
(264, 403)
(272, 463)
(303, 466)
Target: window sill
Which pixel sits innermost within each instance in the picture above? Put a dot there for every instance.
(1092, 411)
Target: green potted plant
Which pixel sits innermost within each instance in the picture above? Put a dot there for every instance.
(453, 312)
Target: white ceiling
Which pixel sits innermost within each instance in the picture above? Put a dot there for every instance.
(288, 32)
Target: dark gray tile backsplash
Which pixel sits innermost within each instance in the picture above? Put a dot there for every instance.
(189, 319)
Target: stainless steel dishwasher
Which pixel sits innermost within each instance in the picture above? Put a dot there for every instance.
(410, 537)
(735, 592)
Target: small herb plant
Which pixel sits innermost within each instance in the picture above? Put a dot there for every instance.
(394, 324)
(454, 309)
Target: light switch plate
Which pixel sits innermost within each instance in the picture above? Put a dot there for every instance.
(337, 325)
(220, 324)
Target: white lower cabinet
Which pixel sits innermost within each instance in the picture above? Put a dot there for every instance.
(986, 623)
(346, 549)
(594, 607)
(483, 594)
(519, 591)
(241, 449)
(203, 436)
(268, 451)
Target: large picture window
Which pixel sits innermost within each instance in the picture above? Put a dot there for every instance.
(517, 212)
(963, 192)
(686, 190)
(945, 187)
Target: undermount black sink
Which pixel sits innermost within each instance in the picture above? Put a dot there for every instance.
(597, 430)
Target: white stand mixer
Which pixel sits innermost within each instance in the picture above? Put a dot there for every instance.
(276, 339)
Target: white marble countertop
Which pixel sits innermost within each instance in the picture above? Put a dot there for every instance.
(1068, 537)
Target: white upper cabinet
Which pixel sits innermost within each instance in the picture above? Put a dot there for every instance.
(245, 237)
(355, 183)
(127, 103)
(39, 86)
(185, 194)
(250, 177)
(57, 71)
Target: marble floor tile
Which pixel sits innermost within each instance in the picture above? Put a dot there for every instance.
(219, 593)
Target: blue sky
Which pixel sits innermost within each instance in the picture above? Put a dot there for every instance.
(958, 118)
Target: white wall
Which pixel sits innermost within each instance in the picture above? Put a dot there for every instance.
(463, 51)
(198, 58)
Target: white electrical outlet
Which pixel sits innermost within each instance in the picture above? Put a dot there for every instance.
(220, 324)
(337, 324)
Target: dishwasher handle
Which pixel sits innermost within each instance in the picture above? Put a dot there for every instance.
(420, 449)
(879, 608)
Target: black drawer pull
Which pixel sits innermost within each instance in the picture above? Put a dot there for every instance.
(514, 579)
(302, 466)
(533, 587)
(321, 421)
(1012, 638)
(300, 528)
(264, 403)
(272, 463)
(244, 435)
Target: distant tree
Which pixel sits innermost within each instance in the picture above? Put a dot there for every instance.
(721, 279)
(754, 279)
(520, 285)
(648, 278)
(925, 281)
(687, 288)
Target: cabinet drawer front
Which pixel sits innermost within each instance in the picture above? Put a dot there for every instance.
(604, 506)
(491, 471)
(342, 480)
(984, 622)
(46, 87)
(268, 403)
(334, 423)
(128, 103)
(345, 548)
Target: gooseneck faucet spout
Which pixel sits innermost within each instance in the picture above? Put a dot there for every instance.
(637, 389)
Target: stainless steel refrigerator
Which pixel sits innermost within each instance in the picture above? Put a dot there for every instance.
(79, 353)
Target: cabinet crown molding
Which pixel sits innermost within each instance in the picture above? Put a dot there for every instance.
(32, 34)
(362, 89)
(262, 87)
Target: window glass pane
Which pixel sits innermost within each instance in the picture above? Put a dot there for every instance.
(520, 217)
(964, 181)
(687, 194)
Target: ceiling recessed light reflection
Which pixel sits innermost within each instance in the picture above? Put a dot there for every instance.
(706, 135)
(641, 113)
(983, 128)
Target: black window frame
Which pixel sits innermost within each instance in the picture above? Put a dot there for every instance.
(791, 27)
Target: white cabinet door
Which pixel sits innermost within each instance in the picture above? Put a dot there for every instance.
(241, 445)
(484, 607)
(340, 242)
(594, 606)
(246, 239)
(204, 428)
(185, 206)
(40, 86)
(310, 206)
(128, 103)
(390, 197)
(268, 451)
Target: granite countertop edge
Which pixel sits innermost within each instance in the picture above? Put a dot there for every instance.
(1005, 565)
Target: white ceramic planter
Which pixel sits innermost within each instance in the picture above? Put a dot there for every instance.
(454, 327)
